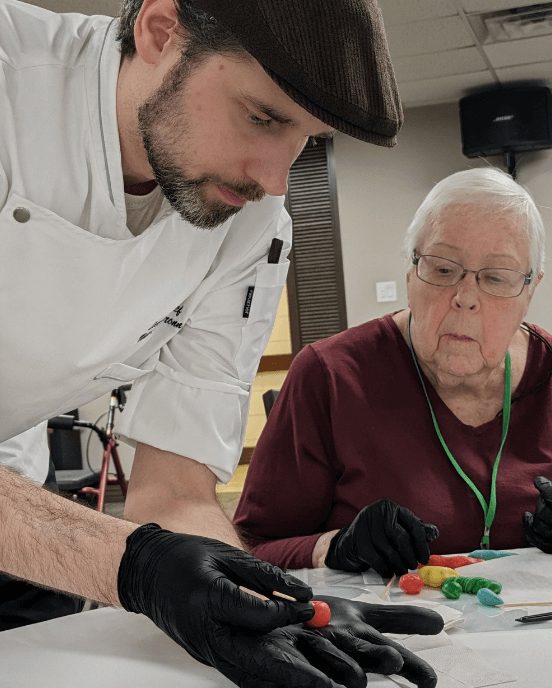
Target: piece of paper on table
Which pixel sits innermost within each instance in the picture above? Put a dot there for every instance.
(417, 643)
(323, 578)
(443, 682)
(458, 666)
(526, 577)
(372, 577)
(465, 665)
(528, 570)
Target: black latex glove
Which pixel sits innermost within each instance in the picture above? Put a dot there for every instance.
(188, 586)
(338, 655)
(538, 526)
(384, 536)
(363, 625)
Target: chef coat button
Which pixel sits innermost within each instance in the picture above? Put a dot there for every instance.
(21, 215)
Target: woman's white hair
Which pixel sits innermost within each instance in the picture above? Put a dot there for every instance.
(490, 188)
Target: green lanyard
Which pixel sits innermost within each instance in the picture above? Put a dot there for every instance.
(489, 510)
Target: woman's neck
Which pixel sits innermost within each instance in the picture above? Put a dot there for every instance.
(485, 383)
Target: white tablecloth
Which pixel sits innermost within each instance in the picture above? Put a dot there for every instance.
(113, 649)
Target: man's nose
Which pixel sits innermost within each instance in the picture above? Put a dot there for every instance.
(271, 176)
(467, 293)
(269, 167)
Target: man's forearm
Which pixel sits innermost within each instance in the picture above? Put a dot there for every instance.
(51, 541)
(178, 493)
(195, 517)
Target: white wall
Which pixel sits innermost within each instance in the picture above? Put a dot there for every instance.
(379, 189)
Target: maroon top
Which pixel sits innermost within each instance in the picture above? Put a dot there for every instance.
(351, 425)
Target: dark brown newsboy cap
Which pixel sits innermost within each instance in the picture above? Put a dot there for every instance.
(330, 56)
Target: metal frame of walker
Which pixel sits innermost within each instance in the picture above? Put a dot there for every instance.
(106, 436)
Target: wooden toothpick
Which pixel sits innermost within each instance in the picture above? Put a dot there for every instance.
(385, 594)
(275, 593)
(525, 604)
(283, 596)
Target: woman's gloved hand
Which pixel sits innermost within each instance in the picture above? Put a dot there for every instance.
(357, 627)
(384, 536)
(189, 587)
(338, 655)
(538, 526)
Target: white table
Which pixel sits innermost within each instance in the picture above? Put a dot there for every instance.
(113, 649)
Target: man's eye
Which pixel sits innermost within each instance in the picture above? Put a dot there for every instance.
(259, 121)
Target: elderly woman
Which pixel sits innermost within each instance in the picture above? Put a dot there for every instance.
(444, 408)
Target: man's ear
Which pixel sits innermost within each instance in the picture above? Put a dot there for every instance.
(155, 30)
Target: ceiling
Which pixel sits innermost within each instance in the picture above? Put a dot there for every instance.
(442, 49)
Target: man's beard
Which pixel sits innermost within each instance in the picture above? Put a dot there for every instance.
(159, 119)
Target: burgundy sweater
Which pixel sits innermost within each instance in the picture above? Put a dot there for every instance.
(351, 426)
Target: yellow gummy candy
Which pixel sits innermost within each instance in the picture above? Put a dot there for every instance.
(435, 576)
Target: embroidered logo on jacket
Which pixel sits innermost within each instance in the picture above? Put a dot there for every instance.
(168, 320)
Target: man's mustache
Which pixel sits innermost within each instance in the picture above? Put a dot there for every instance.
(251, 192)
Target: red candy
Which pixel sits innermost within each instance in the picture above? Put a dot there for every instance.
(322, 615)
(411, 583)
(453, 561)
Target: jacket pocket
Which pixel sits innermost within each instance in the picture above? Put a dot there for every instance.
(122, 372)
(269, 282)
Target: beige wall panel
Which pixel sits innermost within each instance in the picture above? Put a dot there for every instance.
(257, 417)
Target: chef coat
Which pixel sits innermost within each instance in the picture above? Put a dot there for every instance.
(85, 305)
(28, 453)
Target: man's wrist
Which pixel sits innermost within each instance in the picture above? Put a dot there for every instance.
(138, 564)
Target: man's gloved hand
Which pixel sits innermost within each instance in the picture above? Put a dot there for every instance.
(189, 587)
(538, 526)
(384, 536)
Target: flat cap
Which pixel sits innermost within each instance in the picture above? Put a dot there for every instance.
(330, 56)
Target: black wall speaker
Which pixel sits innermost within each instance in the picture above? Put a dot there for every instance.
(506, 120)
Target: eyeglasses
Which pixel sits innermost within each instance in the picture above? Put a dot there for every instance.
(442, 272)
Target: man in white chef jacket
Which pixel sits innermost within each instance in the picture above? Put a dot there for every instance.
(143, 164)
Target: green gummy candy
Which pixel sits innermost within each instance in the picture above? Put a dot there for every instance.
(451, 589)
(495, 586)
(472, 584)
